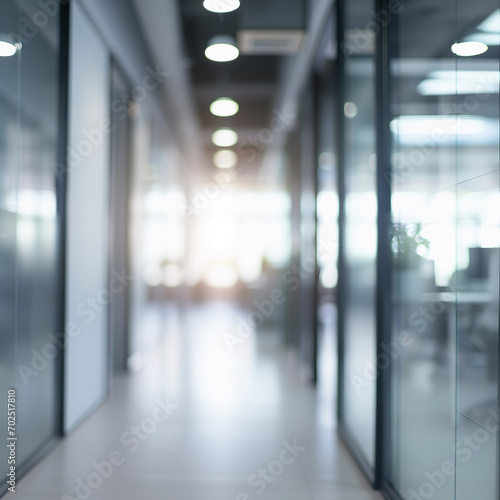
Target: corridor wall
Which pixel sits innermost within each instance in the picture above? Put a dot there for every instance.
(29, 231)
(88, 289)
(419, 193)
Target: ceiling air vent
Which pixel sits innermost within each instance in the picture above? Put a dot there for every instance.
(271, 27)
(269, 42)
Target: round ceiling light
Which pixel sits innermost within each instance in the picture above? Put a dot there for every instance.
(224, 107)
(222, 48)
(225, 137)
(350, 110)
(221, 6)
(468, 49)
(225, 158)
(8, 47)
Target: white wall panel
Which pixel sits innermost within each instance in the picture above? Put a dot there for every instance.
(87, 287)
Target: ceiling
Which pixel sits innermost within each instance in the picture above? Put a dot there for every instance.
(252, 80)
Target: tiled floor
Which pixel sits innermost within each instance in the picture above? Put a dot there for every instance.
(239, 425)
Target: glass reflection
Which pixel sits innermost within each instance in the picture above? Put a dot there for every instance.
(445, 241)
(28, 262)
(360, 229)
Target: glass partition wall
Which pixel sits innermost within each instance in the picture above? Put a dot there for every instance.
(445, 241)
(437, 352)
(358, 226)
(29, 265)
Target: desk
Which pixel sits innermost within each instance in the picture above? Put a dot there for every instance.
(451, 301)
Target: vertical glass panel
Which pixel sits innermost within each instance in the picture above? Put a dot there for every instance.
(478, 257)
(424, 257)
(28, 267)
(36, 237)
(9, 123)
(308, 187)
(327, 210)
(445, 242)
(360, 226)
(327, 200)
(119, 216)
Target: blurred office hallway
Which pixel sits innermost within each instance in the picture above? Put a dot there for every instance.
(250, 249)
(232, 412)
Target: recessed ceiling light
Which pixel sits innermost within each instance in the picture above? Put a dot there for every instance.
(460, 82)
(225, 137)
(350, 110)
(221, 6)
(468, 49)
(225, 158)
(222, 48)
(8, 47)
(224, 107)
(416, 129)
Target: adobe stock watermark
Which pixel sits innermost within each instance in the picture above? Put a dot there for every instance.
(360, 40)
(267, 475)
(420, 320)
(252, 146)
(404, 165)
(248, 150)
(464, 449)
(94, 138)
(130, 441)
(246, 326)
(264, 309)
(88, 310)
(371, 371)
(203, 197)
(30, 28)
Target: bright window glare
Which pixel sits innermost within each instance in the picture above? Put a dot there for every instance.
(328, 205)
(33, 203)
(221, 6)
(361, 210)
(161, 203)
(437, 213)
(152, 275)
(172, 275)
(242, 230)
(163, 232)
(224, 107)
(220, 235)
(27, 235)
(225, 137)
(328, 277)
(272, 202)
(221, 276)
(469, 49)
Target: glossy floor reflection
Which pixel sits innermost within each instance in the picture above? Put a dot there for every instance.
(240, 425)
